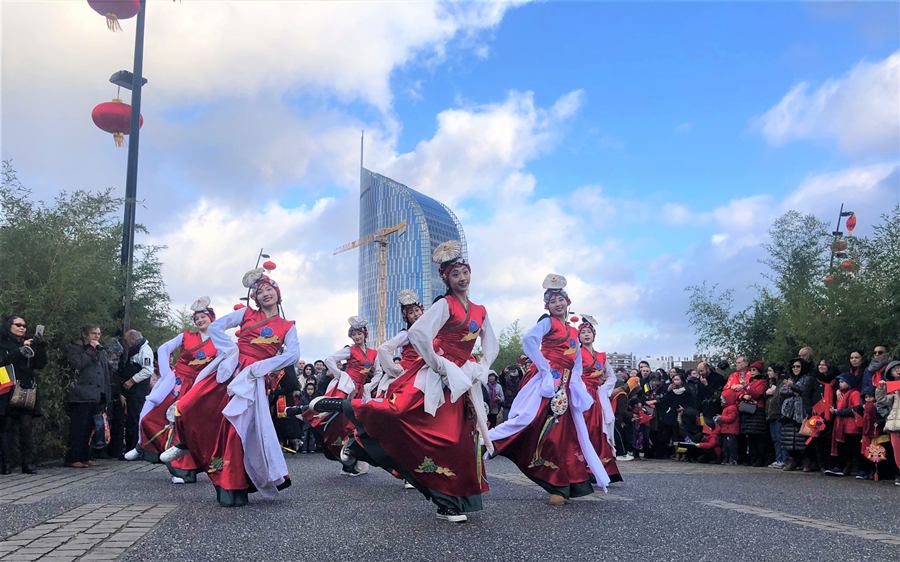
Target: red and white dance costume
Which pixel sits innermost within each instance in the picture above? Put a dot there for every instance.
(545, 433)
(334, 428)
(157, 429)
(432, 419)
(423, 424)
(599, 381)
(225, 421)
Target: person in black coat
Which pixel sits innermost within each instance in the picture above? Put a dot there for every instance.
(90, 388)
(13, 354)
(676, 399)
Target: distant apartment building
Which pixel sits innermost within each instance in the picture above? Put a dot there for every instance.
(623, 360)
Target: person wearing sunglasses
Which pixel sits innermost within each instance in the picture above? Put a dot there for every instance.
(797, 392)
(12, 341)
(874, 373)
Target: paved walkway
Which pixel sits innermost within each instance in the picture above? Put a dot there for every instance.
(130, 511)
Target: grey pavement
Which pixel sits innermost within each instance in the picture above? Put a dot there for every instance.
(663, 510)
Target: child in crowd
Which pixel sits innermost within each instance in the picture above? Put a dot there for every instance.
(752, 411)
(890, 403)
(847, 432)
(731, 426)
(309, 436)
(495, 398)
(872, 424)
(710, 448)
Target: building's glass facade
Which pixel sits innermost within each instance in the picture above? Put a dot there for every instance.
(384, 203)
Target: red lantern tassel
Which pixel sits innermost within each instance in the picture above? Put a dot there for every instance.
(120, 139)
(112, 22)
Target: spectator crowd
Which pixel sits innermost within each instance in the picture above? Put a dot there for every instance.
(808, 415)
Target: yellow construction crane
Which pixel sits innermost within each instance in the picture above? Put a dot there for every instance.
(379, 238)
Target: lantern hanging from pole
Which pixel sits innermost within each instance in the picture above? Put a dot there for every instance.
(829, 279)
(847, 266)
(851, 224)
(839, 246)
(116, 10)
(269, 266)
(114, 117)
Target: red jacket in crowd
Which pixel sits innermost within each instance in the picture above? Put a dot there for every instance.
(730, 418)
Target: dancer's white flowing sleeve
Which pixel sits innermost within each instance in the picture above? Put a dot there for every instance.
(388, 369)
(531, 345)
(606, 407)
(341, 379)
(490, 348)
(166, 381)
(226, 360)
(331, 362)
(248, 412)
(386, 354)
(421, 334)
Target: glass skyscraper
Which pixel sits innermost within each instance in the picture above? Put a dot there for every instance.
(384, 203)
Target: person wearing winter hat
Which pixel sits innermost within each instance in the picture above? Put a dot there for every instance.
(890, 401)
(729, 422)
(224, 422)
(847, 432)
(753, 415)
(157, 431)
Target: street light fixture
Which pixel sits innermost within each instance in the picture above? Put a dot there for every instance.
(125, 79)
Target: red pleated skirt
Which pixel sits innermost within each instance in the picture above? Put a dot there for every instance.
(439, 452)
(214, 444)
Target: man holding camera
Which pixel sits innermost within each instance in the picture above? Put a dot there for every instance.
(135, 372)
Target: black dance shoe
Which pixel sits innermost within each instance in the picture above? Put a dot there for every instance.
(324, 404)
(450, 514)
(292, 411)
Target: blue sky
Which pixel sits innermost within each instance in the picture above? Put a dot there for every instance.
(634, 147)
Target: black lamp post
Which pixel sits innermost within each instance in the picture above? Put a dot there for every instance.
(837, 234)
(137, 81)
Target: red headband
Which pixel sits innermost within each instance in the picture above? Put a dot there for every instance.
(265, 280)
(209, 312)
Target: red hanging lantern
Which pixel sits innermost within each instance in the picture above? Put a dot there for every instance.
(114, 117)
(829, 279)
(839, 246)
(847, 266)
(116, 10)
(851, 224)
(269, 266)
(240, 306)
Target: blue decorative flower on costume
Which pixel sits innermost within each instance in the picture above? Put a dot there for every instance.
(201, 354)
(266, 332)
(367, 364)
(571, 342)
(557, 377)
(473, 326)
(597, 365)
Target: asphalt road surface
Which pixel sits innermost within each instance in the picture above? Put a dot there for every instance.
(663, 511)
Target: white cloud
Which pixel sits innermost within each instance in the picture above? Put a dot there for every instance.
(859, 111)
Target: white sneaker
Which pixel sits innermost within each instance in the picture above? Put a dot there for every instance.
(345, 454)
(361, 468)
(133, 455)
(776, 464)
(626, 458)
(177, 480)
(408, 486)
(172, 454)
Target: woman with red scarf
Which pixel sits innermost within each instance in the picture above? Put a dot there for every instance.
(158, 414)
(410, 310)
(224, 423)
(334, 429)
(546, 435)
(599, 380)
(430, 425)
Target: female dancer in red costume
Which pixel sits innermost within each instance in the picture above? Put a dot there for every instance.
(545, 434)
(224, 423)
(411, 310)
(599, 380)
(334, 429)
(430, 423)
(158, 415)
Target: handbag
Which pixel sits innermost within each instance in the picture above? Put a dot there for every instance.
(805, 430)
(747, 408)
(23, 398)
